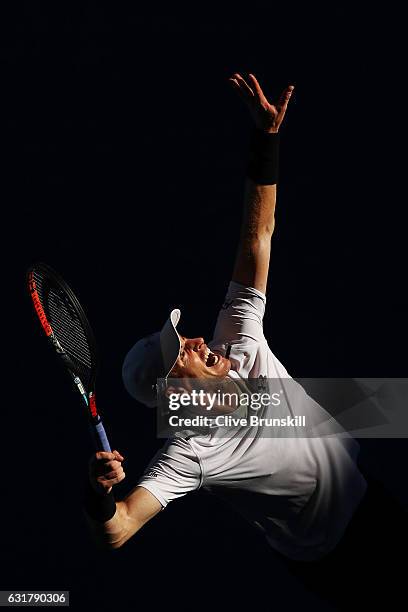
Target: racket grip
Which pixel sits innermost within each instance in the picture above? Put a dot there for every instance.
(101, 439)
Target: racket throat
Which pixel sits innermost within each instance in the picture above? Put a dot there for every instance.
(92, 407)
(89, 400)
(81, 389)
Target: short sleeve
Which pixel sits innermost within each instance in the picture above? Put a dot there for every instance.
(240, 320)
(173, 472)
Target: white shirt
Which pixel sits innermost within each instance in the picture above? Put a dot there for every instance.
(300, 492)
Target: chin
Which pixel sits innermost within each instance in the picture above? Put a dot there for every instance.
(222, 368)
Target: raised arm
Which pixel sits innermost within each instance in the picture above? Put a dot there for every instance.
(252, 260)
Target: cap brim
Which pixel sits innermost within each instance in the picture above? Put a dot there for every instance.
(170, 341)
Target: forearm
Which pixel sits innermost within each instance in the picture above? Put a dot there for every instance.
(253, 256)
(259, 211)
(116, 531)
(126, 518)
(258, 217)
(112, 533)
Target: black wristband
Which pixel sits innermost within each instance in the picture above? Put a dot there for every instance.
(99, 507)
(263, 165)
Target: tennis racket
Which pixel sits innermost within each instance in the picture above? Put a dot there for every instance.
(68, 330)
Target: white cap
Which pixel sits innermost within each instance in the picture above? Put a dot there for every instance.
(151, 358)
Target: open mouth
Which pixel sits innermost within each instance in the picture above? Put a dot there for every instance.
(211, 359)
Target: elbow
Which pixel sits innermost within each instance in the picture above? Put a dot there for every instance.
(114, 543)
(105, 541)
(261, 235)
(261, 243)
(113, 534)
(268, 230)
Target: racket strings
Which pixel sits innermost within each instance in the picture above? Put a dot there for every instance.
(70, 334)
(66, 325)
(69, 331)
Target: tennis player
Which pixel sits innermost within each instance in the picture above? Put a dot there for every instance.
(301, 492)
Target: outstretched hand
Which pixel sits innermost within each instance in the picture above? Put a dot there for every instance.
(268, 117)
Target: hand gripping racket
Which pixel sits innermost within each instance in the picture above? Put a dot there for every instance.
(69, 332)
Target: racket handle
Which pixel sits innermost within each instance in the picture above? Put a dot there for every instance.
(101, 439)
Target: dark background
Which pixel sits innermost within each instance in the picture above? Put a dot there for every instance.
(125, 154)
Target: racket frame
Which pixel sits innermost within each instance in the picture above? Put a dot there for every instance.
(88, 395)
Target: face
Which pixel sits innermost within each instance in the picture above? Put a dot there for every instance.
(197, 361)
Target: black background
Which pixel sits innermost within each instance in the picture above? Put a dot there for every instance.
(125, 152)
